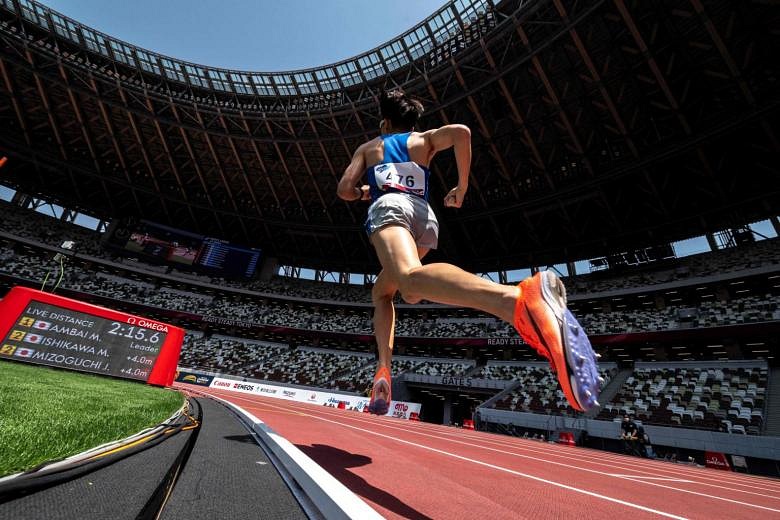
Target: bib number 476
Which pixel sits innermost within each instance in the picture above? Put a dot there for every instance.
(407, 181)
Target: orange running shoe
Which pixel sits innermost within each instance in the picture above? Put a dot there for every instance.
(382, 385)
(544, 322)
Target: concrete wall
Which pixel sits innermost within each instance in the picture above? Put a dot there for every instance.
(763, 447)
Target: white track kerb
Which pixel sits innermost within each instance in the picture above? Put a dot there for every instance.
(332, 498)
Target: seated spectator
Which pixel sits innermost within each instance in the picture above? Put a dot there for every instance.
(629, 435)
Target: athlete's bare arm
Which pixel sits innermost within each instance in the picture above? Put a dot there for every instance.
(459, 138)
(348, 189)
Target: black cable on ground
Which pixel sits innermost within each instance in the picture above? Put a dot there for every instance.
(40, 478)
(154, 506)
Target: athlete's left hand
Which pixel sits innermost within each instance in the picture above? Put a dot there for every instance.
(454, 198)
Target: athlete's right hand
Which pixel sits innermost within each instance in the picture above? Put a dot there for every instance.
(454, 198)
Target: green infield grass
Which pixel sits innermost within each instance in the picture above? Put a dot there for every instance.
(48, 414)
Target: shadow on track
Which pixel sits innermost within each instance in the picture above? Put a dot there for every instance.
(336, 462)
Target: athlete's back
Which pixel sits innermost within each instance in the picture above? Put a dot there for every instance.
(419, 147)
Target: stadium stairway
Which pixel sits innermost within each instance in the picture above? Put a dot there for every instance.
(609, 391)
(772, 412)
(509, 389)
(473, 370)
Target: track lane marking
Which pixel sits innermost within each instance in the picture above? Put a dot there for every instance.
(387, 424)
(735, 478)
(622, 463)
(493, 466)
(619, 475)
(649, 465)
(652, 465)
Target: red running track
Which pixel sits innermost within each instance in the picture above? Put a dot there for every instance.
(419, 470)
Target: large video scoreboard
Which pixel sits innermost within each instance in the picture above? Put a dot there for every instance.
(47, 329)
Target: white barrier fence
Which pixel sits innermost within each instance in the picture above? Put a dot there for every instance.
(400, 409)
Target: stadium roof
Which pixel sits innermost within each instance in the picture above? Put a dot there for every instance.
(597, 126)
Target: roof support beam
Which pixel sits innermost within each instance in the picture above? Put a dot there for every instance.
(222, 175)
(9, 86)
(263, 167)
(85, 132)
(197, 167)
(171, 162)
(145, 155)
(553, 96)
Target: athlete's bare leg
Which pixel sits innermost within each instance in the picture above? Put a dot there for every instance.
(440, 282)
(542, 318)
(384, 317)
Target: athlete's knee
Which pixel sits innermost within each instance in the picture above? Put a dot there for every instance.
(408, 287)
(411, 298)
(380, 294)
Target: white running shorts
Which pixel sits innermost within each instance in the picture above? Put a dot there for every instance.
(412, 212)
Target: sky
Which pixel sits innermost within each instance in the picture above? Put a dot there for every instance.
(256, 35)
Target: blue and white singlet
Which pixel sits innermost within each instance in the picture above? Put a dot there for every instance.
(397, 172)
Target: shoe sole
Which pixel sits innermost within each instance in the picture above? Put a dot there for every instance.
(380, 406)
(580, 360)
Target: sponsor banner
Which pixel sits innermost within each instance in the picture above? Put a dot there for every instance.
(400, 409)
(716, 460)
(194, 378)
(241, 386)
(267, 390)
(403, 410)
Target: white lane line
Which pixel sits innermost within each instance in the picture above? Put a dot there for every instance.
(332, 497)
(629, 464)
(407, 430)
(486, 464)
(649, 478)
(598, 457)
(597, 453)
(389, 425)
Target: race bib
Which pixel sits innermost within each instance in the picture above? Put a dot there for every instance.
(406, 176)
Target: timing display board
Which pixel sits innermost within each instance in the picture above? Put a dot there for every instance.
(182, 247)
(45, 329)
(233, 260)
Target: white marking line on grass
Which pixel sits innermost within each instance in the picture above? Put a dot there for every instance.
(547, 461)
(492, 466)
